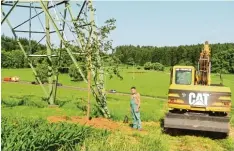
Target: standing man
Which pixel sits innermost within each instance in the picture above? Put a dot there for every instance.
(135, 106)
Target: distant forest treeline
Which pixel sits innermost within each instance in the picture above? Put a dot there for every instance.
(9, 44)
(13, 57)
(222, 55)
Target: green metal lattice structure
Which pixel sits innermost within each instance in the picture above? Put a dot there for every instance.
(62, 23)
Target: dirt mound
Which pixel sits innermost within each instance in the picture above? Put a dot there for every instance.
(94, 122)
(97, 122)
(100, 123)
(55, 119)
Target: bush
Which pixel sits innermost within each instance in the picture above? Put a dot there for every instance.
(155, 66)
(24, 101)
(138, 67)
(147, 66)
(42, 72)
(12, 59)
(74, 73)
(158, 66)
(63, 70)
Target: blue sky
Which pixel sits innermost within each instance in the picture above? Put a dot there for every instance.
(159, 23)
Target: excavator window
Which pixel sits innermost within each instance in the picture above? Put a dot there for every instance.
(183, 76)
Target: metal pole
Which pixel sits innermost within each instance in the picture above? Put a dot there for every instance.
(24, 6)
(100, 70)
(30, 34)
(9, 12)
(79, 35)
(89, 83)
(81, 39)
(38, 14)
(60, 51)
(49, 59)
(63, 26)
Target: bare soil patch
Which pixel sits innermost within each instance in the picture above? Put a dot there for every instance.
(100, 123)
(94, 122)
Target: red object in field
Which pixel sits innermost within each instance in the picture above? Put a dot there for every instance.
(8, 79)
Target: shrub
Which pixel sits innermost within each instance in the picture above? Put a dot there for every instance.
(158, 66)
(23, 101)
(138, 67)
(75, 74)
(42, 72)
(147, 66)
(12, 59)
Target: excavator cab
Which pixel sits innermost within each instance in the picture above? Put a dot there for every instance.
(183, 75)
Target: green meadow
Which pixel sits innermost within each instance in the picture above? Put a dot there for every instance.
(23, 103)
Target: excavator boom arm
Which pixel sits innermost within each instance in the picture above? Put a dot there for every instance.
(204, 66)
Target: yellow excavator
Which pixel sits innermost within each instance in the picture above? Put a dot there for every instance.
(194, 103)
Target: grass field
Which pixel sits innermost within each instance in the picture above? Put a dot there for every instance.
(24, 101)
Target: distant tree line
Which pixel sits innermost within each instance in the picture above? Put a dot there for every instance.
(9, 44)
(13, 57)
(222, 55)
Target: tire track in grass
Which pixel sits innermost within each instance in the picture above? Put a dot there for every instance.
(85, 89)
(160, 98)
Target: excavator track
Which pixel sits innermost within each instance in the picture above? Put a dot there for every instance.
(200, 122)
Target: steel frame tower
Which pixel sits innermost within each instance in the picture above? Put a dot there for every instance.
(84, 32)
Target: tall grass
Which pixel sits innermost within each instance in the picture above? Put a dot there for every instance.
(25, 134)
(119, 141)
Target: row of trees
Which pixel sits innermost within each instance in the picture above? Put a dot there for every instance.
(15, 59)
(222, 55)
(9, 44)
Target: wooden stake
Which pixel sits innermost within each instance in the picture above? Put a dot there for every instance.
(89, 83)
